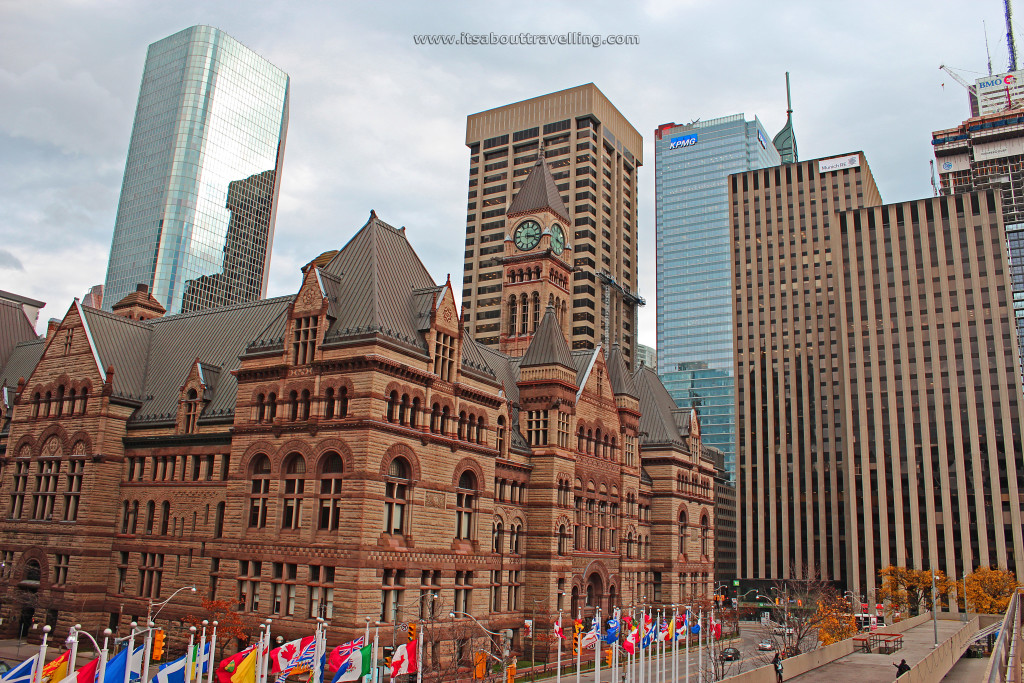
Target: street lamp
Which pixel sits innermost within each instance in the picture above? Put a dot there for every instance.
(494, 634)
(150, 623)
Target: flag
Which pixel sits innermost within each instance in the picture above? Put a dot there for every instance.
(589, 639)
(172, 672)
(201, 665)
(680, 627)
(666, 631)
(558, 630)
(245, 669)
(57, 670)
(301, 662)
(404, 659)
(116, 666)
(342, 652)
(282, 657)
(23, 673)
(612, 634)
(87, 674)
(356, 666)
(228, 666)
(716, 629)
(629, 644)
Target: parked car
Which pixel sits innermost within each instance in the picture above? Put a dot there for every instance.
(730, 654)
(766, 645)
(783, 631)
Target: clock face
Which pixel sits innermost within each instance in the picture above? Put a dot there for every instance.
(527, 235)
(557, 239)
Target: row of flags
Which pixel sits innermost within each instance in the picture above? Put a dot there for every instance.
(646, 631)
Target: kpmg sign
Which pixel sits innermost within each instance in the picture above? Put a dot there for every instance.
(838, 163)
(685, 141)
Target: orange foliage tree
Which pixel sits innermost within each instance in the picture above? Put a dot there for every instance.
(230, 624)
(910, 590)
(989, 590)
(835, 619)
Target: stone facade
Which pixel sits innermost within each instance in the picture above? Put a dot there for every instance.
(354, 455)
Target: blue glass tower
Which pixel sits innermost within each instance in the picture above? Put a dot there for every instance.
(195, 220)
(692, 164)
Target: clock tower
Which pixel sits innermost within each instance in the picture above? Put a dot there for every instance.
(537, 260)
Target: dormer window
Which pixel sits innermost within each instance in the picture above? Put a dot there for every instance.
(191, 411)
(304, 340)
(444, 356)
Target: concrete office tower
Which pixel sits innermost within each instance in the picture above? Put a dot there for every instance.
(876, 389)
(593, 154)
(196, 217)
(692, 164)
(988, 152)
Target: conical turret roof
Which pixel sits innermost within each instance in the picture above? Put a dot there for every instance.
(538, 193)
(548, 346)
(619, 375)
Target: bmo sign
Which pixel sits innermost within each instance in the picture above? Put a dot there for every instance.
(685, 141)
(997, 81)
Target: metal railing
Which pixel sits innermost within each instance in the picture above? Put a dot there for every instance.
(1005, 665)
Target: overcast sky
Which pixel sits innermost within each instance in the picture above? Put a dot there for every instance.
(378, 122)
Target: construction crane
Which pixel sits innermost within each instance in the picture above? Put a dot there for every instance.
(970, 87)
(1011, 48)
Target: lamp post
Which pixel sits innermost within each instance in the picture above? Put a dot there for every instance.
(150, 623)
(73, 635)
(485, 630)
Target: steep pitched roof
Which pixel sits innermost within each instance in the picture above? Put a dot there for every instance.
(22, 361)
(656, 409)
(123, 344)
(374, 279)
(548, 346)
(15, 328)
(538, 192)
(618, 373)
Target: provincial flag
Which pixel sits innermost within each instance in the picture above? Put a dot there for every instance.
(302, 662)
(57, 670)
(23, 673)
(590, 638)
(172, 672)
(612, 632)
(116, 666)
(87, 674)
(228, 666)
(355, 666)
(680, 627)
(282, 657)
(666, 630)
(404, 659)
(558, 629)
(342, 652)
(245, 669)
(629, 644)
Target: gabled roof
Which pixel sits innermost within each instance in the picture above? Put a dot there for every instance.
(537, 193)
(22, 361)
(424, 302)
(374, 278)
(15, 328)
(657, 420)
(142, 298)
(548, 346)
(618, 373)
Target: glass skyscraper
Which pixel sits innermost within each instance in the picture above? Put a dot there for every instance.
(196, 217)
(692, 164)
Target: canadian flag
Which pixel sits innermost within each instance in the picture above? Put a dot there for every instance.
(629, 644)
(558, 629)
(404, 659)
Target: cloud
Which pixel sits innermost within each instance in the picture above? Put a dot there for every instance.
(9, 261)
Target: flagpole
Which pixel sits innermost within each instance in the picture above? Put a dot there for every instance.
(578, 634)
(558, 667)
(597, 646)
(197, 675)
(373, 657)
(640, 644)
(700, 647)
(687, 655)
(617, 616)
(316, 650)
(660, 664)
(266, 660)
(37, 673)
(675, 643)
(103, 655)
(213, 647)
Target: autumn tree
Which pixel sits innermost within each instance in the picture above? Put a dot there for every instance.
(835, 619)
(910, 590)
(989, 590)
(230, 624)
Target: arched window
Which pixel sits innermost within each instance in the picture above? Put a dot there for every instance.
(392, 405)
(191, 411)
(125, 519)
(513, 541)
(37, 400)
(135, 517)
(218, 521)
(629, 545)
(581, 440)
(481, 432)
(33, 572)
(563, 540)
(329, 403)
(536, 310)
(396, 487)
(683, 535)
(414, 413)
(165, 517)
(464, 505)
(150, 516)
(597, 442)
(330, 491)
(294, 488)
(293, 405)
(305, 404)
(261, 408)
(512, 308)
(500, 435)
(272, 406)
(49, 400)
(60, 400)
(403, 409)
(705, 536)
(435, 418)
(462, 425)
(497, 537)
(72, 399)
(524, 314)
(343, 402)
(259, 497)
(445, 415)
(590, 441)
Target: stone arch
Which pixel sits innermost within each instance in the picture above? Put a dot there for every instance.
(289, 447)
(81, 437)
(400, 449)
(474, 467)
(54, 430)
(39, 556)
(562, 519)
(328, 446)
(265, 447)
(24, 442)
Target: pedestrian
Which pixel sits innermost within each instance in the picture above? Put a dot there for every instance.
(777, 663)
(901, 668)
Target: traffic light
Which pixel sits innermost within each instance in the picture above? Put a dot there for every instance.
(608, 657)
(412, 632)
(158, 644)
(511, 671)
(479, 665)
(387, 662)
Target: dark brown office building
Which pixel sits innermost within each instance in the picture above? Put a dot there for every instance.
(878, 411)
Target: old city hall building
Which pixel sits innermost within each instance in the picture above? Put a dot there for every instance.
(348, 452)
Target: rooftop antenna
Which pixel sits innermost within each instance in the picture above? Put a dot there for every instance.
(789, 100)
(987, 53)
(1008, 10)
